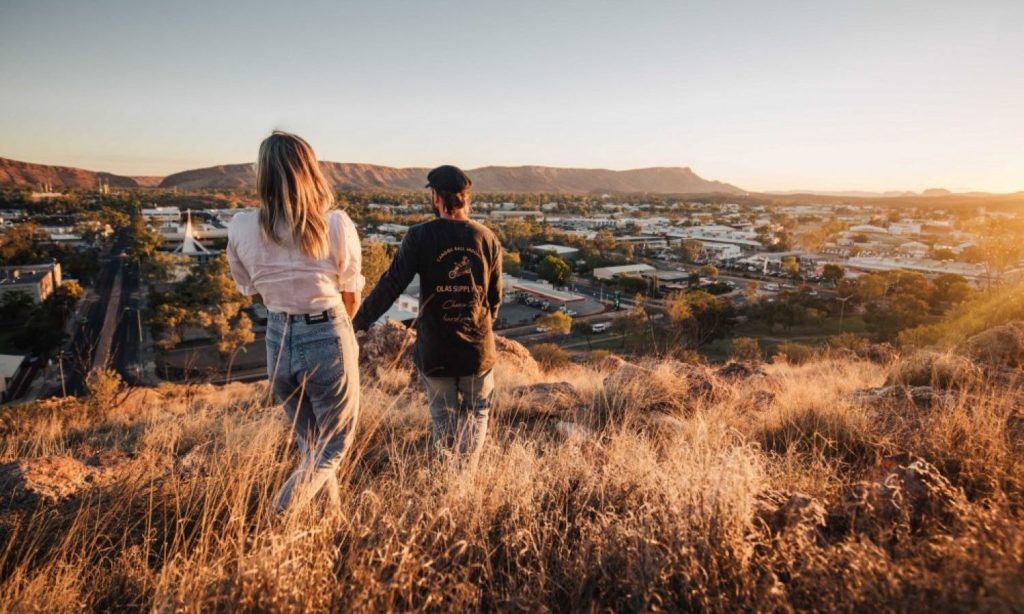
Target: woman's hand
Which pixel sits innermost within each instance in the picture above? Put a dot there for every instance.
(351, 302)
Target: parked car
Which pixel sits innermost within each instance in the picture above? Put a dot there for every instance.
(600, 327)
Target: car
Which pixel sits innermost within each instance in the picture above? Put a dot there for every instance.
(543, 329)
(600, 327)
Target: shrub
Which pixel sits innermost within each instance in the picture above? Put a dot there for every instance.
(596, 357)
(550, 356)
(794, 353)
(745, 348)
(939, 370)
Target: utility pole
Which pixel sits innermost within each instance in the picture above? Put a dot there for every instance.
(842, 310)
(60, 364)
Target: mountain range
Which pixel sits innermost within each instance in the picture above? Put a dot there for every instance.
(355, 176)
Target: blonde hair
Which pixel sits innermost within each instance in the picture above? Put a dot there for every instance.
(292, 188)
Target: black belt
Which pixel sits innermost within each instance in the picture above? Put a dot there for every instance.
(312, 318)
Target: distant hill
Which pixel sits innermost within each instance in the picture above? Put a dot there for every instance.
(17, 173)
(349, 176)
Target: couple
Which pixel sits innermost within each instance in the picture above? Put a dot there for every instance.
(301, 258)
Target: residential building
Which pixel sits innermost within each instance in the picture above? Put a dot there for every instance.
(37, 281)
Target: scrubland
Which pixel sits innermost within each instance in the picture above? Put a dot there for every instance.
(839, 484)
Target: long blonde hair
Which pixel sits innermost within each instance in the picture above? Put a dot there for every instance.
(292, 188)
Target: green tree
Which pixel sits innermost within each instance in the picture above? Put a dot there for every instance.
(688, 250)
(376, 260)
(710, 271)
(745, 348)
(833, 272)
(791, 266)
(554, 270)
(512, 263)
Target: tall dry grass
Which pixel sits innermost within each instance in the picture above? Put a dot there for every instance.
(628, 513)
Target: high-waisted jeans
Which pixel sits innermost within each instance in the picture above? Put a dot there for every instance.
(314, 372)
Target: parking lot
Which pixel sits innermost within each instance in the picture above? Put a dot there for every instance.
(524, 310)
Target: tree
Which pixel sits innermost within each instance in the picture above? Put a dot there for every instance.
(604, 241)
(376, 260)
(16, 306)
(512, 263)
(791, 266)
(688, 250)
(710, 271)
(555, 270)
(230, 337)
(557, 322)
(750, 291)
(585, 330)
(833, 272)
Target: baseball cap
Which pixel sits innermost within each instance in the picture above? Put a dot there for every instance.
(448, 178)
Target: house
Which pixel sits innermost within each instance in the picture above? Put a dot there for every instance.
(38, 281)
(905, 228)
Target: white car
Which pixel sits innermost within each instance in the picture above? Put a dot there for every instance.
(600, 327)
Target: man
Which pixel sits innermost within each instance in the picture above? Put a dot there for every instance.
(459, 264)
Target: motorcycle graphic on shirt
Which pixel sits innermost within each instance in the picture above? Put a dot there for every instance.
(462, 267)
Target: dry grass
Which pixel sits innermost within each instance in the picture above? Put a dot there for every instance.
(659, 510)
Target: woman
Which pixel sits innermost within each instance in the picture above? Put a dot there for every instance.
(302, 261)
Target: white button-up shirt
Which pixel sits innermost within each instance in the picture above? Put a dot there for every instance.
(288, 280)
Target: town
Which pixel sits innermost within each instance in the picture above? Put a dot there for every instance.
(132, 284)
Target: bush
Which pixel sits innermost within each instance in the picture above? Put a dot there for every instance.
(596, 357)
(745, 348)
(549, 355)
(794, 353)
(925, 368)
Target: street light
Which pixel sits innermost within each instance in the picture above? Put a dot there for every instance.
(842, 310)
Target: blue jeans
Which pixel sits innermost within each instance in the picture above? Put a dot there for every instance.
(459, 409)
(314, 372)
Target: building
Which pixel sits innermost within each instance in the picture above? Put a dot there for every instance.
(563, 251)
(905, 228)
(542, 290)
(611, 272)
(712, 251)
(37, 281)
(10, 370)
(162, 215)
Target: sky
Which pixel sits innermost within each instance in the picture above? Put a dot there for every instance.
(822, 94)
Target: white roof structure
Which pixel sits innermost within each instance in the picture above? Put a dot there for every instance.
(610, 272)
(541, 289)
(560, 250)
(189, 245)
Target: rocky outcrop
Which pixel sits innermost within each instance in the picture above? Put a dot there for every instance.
(388, 347)
(553, 397)
(911, 499)
(782, 511)
(999, 346)
(52, 479)
(923, 397)
(938, 370)
(669, 386)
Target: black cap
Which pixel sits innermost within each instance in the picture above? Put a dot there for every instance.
(448, 178)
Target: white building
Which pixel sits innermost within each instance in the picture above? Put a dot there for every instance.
(611, 272)
(558, 250)
(10, 365)
(37, 281)
(162, 215)
(905, 228)
(717, 252)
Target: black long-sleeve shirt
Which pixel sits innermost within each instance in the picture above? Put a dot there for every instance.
(459, 264)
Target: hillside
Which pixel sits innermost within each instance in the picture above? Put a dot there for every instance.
(17, 173)
(347, 176)
(839, 484)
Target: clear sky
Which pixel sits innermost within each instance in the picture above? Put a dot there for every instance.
(821, 94)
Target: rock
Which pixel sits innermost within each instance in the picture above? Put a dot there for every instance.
(557, 397)
(758, 400)
(999, 346)
(910, 499)
(663, 424)
(741, 370)
(783, 511)
(611, 363)
(53, 479)
(514, 355)
(923, 397)
(669, 387)
(879, 353)
(389, 346)
(572, 430)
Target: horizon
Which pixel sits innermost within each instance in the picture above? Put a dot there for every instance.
(871, 98)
